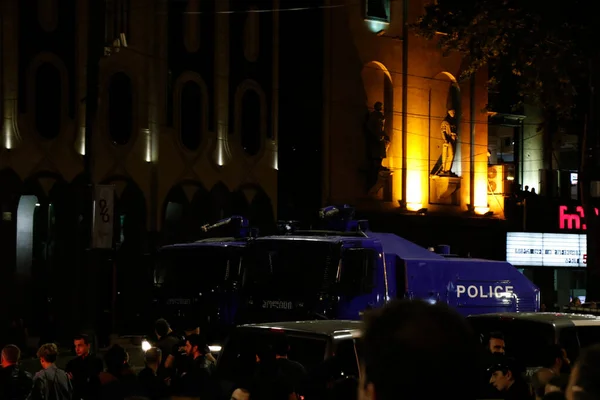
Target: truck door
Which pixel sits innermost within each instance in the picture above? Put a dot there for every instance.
(360, 282)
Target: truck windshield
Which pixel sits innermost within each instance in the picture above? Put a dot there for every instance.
(290, 267)
(186, 268)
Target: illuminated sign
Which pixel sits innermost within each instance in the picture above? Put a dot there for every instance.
(484, 292)
(568, 221)
(546, 249)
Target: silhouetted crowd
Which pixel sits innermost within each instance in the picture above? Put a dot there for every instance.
(409, 349)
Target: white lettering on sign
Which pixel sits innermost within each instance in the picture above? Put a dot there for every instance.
(532, 249)
(484, 292)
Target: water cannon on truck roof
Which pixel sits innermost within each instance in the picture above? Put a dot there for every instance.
(236, 227)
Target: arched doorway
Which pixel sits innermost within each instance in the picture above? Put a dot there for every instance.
(199, 214)
(43, 245)
(239, 203)
(9, 201)
(77, 270)
(185, 210)
(261, 212)
(131, 223)
(27, 211)
(129, 265)
(220, 202)
(379, 88)
(63, 253)
(174, 211)
(30, 288)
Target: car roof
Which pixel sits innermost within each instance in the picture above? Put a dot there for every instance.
(323, 327)
(556, 319)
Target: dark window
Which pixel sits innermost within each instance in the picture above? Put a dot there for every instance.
(570, 342)
(358, 267)
(190, 269)
(575, 338)
(290, 268)
(238, 361)
(526, 340)
(588, 335)
(378, 10)
(400, 278)
(251, 111)
(347, 358)
(48, 101)
(120, 108)
(191, 115)
(117, 14)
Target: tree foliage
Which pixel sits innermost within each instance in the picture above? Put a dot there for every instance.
(551, 51)
(547, 46)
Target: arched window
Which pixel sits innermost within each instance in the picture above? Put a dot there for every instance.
(250, 124)
(116, 15)
(252, 34)
(120, 108)
(191, 26)
(48, 100)
(190, 128)
(47, 11)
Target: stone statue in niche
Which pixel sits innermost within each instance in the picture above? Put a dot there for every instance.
(377, 146)
(377, 140)
(449, 132)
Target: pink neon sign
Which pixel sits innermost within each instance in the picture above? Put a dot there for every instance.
(572, 221)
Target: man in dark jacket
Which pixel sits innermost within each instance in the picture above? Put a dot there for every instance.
(291, 371)
(197, 382)
(15, 384)
(506, 376)
(119, 381)
(151, 385)
(84, 369)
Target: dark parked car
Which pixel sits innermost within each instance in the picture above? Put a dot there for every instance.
(328, 349)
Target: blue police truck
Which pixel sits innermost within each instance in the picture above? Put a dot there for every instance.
(345, 268)
(335, 272)
(195, 284)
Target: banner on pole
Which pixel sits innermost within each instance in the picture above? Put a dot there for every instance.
(103, 223)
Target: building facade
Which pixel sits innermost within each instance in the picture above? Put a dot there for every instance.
(186, 130)
(433, 184)
(374, 58)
